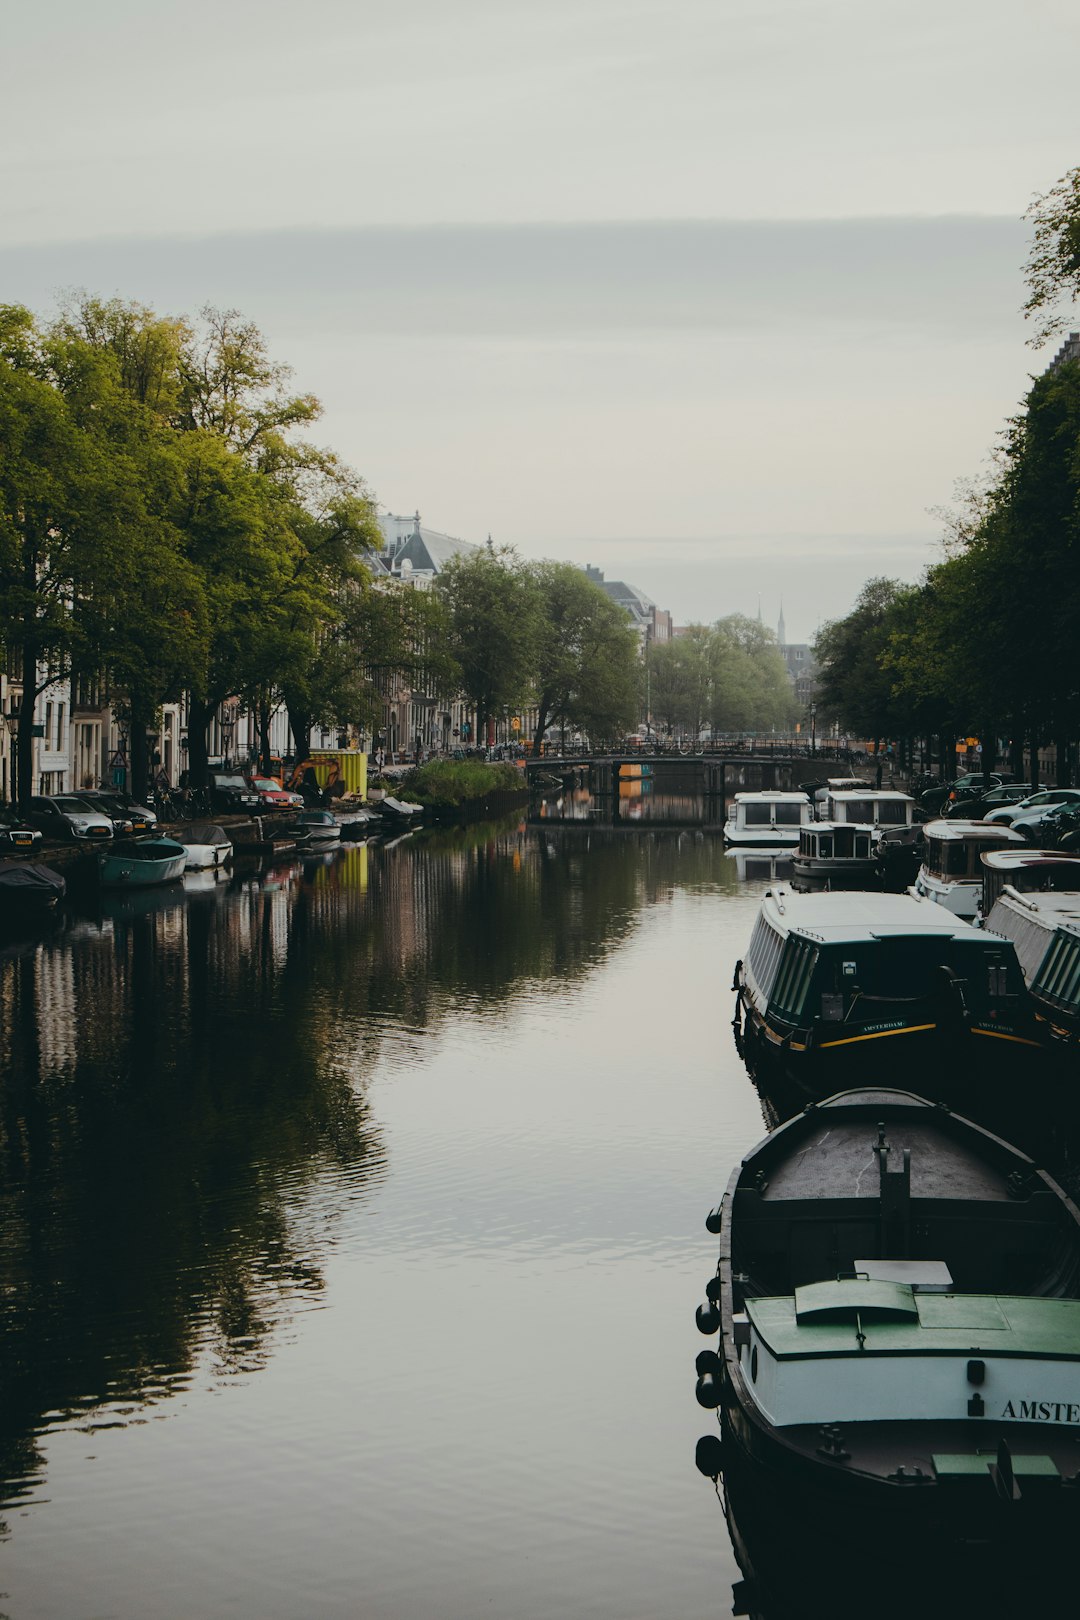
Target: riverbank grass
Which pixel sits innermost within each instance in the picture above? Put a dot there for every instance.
(448, 784)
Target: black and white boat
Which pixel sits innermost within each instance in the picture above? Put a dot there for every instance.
(897, 1377)
(833, 982)
(835, 855)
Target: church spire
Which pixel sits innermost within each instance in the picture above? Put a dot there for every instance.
(781, 633)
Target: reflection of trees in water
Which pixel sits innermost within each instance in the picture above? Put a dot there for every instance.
(181, 1110)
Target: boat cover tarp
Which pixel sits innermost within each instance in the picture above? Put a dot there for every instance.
(24, 879)
(205, 832)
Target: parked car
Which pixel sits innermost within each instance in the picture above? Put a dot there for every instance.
(122, 824)
(1043, 822)
(65, 816)
(1065, 827)
(15, 833)
(964, 787)
(231, 794)
(1033, 805)
(114, 802)
(995, 798)
(272, 796)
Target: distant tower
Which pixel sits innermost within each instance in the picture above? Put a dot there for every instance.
(759, 608)
(781, 633)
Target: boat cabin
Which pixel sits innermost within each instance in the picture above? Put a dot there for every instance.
(1028, 871)
(878, 810)
(951, 874)
(827, 973)
(767, 818)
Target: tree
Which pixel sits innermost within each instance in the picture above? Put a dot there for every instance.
(854, 686)
(587, 672)
(493, 620)
(1052, 271)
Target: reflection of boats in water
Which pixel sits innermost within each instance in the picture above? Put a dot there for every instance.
(757, 865)
(898, 1361)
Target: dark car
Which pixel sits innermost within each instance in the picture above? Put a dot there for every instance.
(15, 833)
(112, 802)
(230, 794)
(64, 815)
(985, 804)
(964, 787)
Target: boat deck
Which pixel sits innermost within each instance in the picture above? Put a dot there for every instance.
(842, 1161)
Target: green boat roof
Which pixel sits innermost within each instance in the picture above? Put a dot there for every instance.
(824, 1319)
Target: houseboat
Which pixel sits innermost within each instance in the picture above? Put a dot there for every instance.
(834, 855)
(1040, 916)
(951, 873)
(767, 819)
(878, 810)
(897, 1372)
(832, 983)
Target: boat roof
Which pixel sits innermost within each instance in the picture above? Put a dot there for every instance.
(899, 1321)
(1054, 906)
(1012, 860)
(954, 830)
(765, 793)
(833, 826)
(850, 914)
(871, 793)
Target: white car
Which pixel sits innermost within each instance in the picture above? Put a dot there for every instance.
(1009, 814)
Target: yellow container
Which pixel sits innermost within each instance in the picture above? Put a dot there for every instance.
(347, 765)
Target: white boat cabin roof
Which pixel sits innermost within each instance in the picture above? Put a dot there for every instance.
(765, 794)
(847, 796)
(850, 914)
(1008, 861)
(955, 832)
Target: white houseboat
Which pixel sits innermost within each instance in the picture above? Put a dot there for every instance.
(767, 818)
(951, 874)
(869, 808)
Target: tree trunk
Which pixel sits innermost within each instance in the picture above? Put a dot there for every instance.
(542, 714)
(1034, 757)
(1064, 775)
(24, 747)
(142, 775)
(989, 749)
(300, 727)
(198, 756)
(264, 736)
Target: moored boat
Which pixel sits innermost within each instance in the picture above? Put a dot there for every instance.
(898, 1363)
(142, 863)
(951, 871)
(767, 819)
(835, 855)
(1039, 913)
(205, 845)
(27, 888)
(877, 809)
(315, 827)
(832, 982)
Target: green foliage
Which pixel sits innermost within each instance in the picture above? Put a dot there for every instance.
(587, 675)
(452, 782)
(494, 618)
(729, 676)
(1052, 272)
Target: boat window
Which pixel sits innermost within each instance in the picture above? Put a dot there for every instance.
(862, 845)
(892, 813)
(860, 810)
(825, 845)
(788, 815)
(763, 955)
(793, 980)
(757, 814)
(954, 860)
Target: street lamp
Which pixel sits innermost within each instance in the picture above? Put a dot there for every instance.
(226, 723)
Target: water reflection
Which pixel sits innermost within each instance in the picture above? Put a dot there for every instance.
(277, 1152)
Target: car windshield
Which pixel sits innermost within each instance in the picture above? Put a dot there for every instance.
(266, 784)
(230, 782)
(70, 807)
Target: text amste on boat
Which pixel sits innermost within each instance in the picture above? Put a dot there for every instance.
(899, 1342)
(832, 982)
(767, 818)
(951, 874)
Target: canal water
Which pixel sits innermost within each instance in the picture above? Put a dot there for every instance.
(352, 1231)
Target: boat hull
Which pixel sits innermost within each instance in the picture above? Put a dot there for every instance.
(200, 857)
(117, 871)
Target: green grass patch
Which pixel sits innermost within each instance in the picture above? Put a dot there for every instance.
(459, 781)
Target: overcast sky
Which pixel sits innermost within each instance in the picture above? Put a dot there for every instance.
(721, 296)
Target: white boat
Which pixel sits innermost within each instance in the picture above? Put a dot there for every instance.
(951, 874)
(1032, 897)
(316, 827)
(835, 853)
(869, 808)
(205, 845)
(767, 819)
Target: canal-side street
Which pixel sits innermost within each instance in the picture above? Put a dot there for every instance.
(353, 1230)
